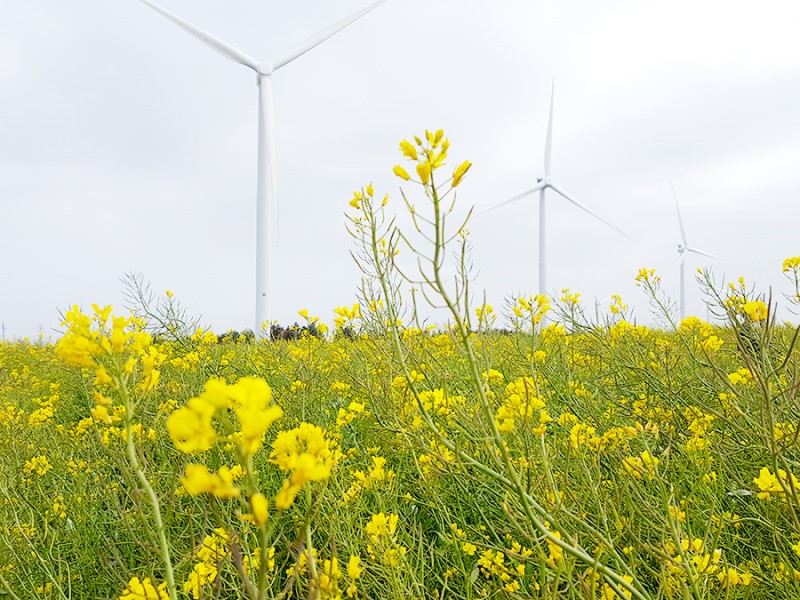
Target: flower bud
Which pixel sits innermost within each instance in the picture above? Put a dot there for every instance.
(401, 173)
(260, 507)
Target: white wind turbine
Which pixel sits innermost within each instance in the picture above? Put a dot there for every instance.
(266, 196)
(683, 248)
(542, 185)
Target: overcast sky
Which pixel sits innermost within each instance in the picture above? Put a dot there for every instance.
(128, 146)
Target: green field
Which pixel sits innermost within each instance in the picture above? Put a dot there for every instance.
(555, 457)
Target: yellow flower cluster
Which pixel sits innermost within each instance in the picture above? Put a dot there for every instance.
(429, 154)
(785, 432)
(493, 377)
(775, 483)
(144, 590)
(700, 425)
(329, 577)
(492, 564)
(617, 306)
(306, 455)
(485, 315)
(532, 308)
(191, 427)
(366, 481)
(729, 577)
(346, 315)
(434, 402)
(741, 376)
(756, 310)
(643, 465)
(382, 529)
(88, 339)
(197, 479)
(351, 413)
(606, 591)
(213, 551)
(647, 276)
(361, 196)
(791, 264)
(700, 333)
(569, 297)
(622, 329)
(520, 405)
(89, 336)
(38, 464)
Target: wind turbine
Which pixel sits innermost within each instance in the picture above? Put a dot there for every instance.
(542, 185)
(266, 195)
(683, 248)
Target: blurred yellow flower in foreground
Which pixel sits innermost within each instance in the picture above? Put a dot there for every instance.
(756, 310)
(144, 590)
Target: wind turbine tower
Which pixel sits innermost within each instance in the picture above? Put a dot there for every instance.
(266, 194)
(543, 183)
(683, 248)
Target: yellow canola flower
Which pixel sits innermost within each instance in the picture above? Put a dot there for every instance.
(770, 483)
(408, 149)
(381, 525)
(642, 465)
(190, 427)
(144, 590)
(119, 335)
(459, 172)
(469, 549)
(401, 173)
(286, 495)
(791, 264)
(354, 569)
(38, 464)
(202, 574)
(101, 376)
(306, 455)
(260, 507)
(756, 310)
(424, 172)
(251, 398)
(730, 577)
(198, 480)
(77, 349)
(150, 375)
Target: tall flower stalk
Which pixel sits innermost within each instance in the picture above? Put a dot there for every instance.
(379, 241)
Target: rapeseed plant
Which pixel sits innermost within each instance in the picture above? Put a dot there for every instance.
(567, 459)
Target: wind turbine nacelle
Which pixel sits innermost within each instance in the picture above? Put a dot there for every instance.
(265, 69)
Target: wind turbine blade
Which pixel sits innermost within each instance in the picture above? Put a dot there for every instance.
(209, 40)
(533, 190)
(696, 251)
(680, 221)
(588, 210)
(318, 38)
(548, 143)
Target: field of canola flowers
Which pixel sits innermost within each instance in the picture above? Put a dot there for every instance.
(560, 458)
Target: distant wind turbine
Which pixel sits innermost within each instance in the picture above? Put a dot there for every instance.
(266, 196)
(542, 185)
(683, 248)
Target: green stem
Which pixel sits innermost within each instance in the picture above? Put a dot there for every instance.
(151, 495)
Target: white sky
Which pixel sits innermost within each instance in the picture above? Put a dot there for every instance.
(129, 146)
